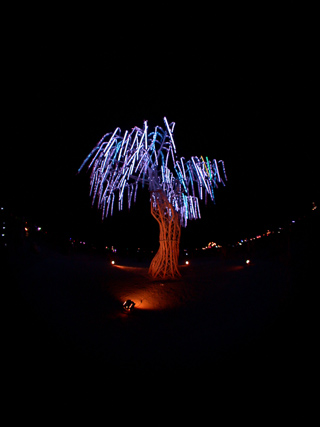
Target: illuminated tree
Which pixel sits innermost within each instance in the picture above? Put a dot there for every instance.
(121, 163)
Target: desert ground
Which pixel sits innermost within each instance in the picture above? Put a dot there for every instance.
(66, 308)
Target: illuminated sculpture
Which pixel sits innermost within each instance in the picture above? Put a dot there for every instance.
(121, 163)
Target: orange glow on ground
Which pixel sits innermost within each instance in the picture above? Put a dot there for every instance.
(154, 296)
(134, 283)
(125, 267)
(147, 294)
(236, 268)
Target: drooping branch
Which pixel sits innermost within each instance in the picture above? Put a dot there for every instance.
(120, 164)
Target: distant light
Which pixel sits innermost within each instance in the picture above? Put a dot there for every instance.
(247, 261)
(26, 228)
(39, 228)
(187, 262)
(113, 262)
(1, 208)
(293, 221)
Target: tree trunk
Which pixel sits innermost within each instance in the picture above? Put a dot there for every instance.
(165, 263)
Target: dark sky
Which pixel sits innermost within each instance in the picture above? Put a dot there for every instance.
(253, 107)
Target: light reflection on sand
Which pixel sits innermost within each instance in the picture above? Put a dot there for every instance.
(145, 292)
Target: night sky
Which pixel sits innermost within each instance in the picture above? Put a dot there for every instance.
(251, 106)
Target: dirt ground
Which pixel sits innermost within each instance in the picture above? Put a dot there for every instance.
(67, 309)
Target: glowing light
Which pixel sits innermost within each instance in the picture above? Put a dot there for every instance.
(39, 228)
(128, 305)
(121, 164)
(248, 261)
(187, 262)
(113, 262)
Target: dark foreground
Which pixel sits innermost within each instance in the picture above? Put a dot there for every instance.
(65, 310)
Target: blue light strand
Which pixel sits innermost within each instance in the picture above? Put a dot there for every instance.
(124, 162)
